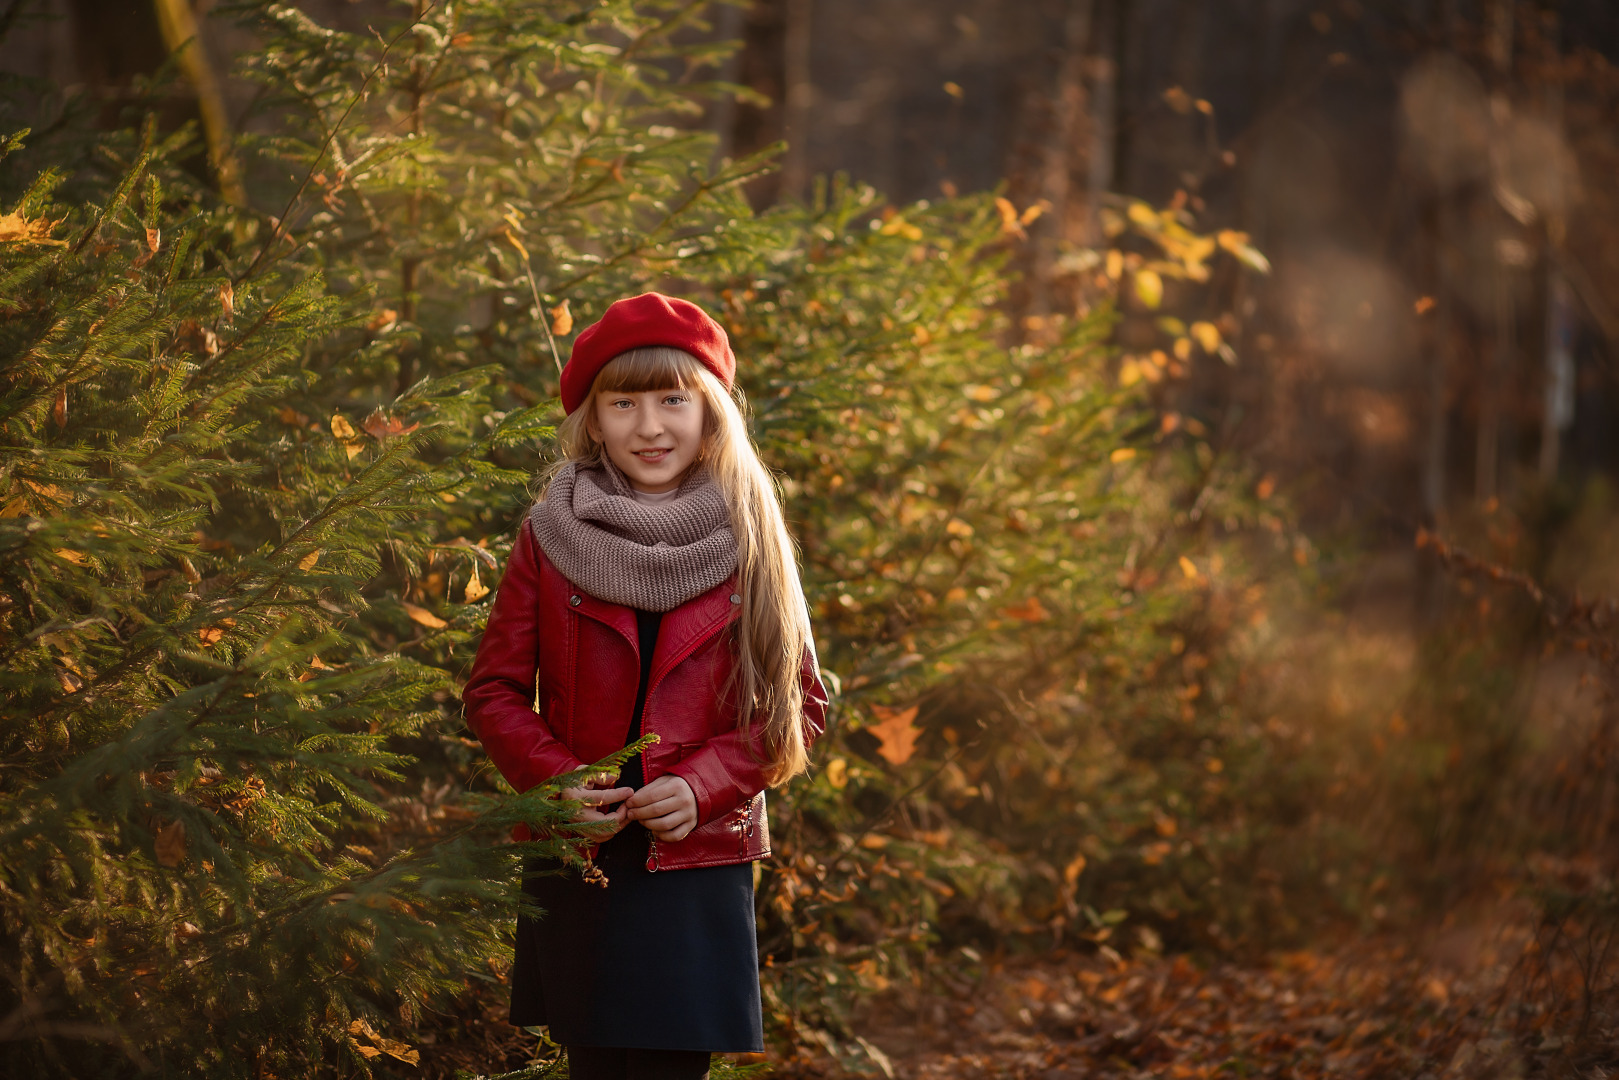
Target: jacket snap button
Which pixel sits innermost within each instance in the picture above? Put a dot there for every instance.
(574, 600)
(736, 598)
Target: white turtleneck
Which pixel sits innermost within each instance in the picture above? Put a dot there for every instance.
(654, 497)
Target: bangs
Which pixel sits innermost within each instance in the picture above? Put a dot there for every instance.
(653, 367)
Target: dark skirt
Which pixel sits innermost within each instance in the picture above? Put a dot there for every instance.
(664, 960)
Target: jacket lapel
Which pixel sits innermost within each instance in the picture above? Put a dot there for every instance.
(690, 625)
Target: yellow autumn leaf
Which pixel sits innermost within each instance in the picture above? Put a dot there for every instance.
(1123, 453)
(423, 616)
(957, 527)
(837, 773)
(1144, 216)
(1208, 336)
(511, 238)
(210, 635)
(898, 226)
(1115, 264)
(1237, 244)
(561, 320)
(77, 558)
(1075, 867)
(1129, 372)
(1183, 348)
(1149, 288)
(16, 229)
(344, 432)
(308, 561)
(476, 589)
(981, 393)
(1188, 568)
(1009, 217)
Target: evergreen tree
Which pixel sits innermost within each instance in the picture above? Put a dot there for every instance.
(194, 733)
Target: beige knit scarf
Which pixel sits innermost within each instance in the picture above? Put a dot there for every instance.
(653, 556)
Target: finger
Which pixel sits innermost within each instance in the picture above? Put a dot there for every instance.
(668, 823)
(661, 808)
(604, 797)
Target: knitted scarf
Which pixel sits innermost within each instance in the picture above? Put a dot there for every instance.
(649, 556)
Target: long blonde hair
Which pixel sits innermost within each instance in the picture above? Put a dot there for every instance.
(773, 633)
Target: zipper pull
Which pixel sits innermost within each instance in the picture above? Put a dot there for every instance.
(652, 855)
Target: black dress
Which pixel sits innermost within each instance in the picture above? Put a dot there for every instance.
(664, 960)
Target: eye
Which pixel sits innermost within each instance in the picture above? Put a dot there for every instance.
(674, 399)
(621, 403)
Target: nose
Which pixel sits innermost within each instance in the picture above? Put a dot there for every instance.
(648, 422)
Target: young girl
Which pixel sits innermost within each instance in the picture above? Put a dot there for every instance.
(652, 589)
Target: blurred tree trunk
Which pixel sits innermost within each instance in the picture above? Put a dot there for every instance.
(800, 97)
(1061, 143)
(183, 39)
(1104, 73)
(1499, 16)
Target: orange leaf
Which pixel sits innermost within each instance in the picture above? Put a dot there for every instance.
(476, 589)
(59, 409)
(154, 240)
(170, 845)
(1010, 225)
(423, 616)
(210, 635)
(379, 425)
(75, 557)
(382, 321)
(561, 320)
(1031, 610)
(227, 299)
(895, 733)
(16, 229)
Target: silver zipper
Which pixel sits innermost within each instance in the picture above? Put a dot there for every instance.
(652, 855)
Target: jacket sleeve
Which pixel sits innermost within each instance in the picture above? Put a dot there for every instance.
(729, 770)
(499, 697)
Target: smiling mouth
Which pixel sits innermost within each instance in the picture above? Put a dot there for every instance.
(652, 455)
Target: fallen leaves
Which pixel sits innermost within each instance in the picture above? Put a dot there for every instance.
(377, 1045)
(1373, 1010)
(895, 732)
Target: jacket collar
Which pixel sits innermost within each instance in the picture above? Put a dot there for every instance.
(681, 631)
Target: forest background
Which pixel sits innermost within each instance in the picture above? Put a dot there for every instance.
(1197, 422)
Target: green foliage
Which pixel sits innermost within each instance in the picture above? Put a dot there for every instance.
(197, 734)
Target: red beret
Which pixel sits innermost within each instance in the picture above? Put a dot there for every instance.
(639, 321)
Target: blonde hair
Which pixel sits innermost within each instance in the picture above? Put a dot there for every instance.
(773, 633)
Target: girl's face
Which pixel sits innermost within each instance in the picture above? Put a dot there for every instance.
(653, 436)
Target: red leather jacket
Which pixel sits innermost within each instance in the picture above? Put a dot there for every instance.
(553, 690)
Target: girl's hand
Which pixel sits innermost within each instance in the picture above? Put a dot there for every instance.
(595, 793)
(666, 807)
